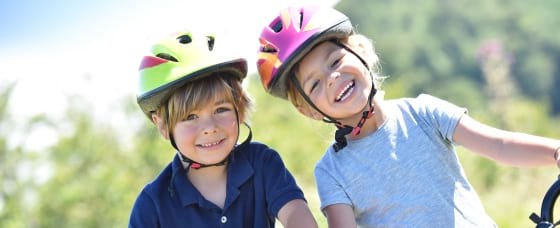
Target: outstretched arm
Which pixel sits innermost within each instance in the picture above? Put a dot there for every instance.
(513, 148)
(296, 213)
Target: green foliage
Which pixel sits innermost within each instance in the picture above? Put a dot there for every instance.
(95, 178)
(15, 186)
(300, 140)
(430, 41)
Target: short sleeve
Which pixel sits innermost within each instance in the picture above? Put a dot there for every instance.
(330, 191)
(143, 213)
(280, 185)
(440, 114)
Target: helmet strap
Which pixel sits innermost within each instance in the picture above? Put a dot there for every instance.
(197, 165)
(188, 163)
(342, 130)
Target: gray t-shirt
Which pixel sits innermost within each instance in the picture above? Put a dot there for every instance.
(405, 174)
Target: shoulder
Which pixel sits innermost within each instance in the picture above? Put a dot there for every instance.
(255, 156)
(425, 101)
(257, 151)
(425, 104)
(159, 184)
(418, 102)
(327, 162)
(144, 209)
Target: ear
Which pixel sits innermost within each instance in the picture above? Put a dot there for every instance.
(162, 127)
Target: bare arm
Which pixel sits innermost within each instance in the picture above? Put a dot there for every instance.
(340, 216)
(512, 148)
(296, 213)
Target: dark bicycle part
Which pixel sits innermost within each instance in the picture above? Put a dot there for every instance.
(546, 219)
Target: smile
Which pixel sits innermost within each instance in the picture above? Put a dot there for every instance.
(345, 92)
(205, 145)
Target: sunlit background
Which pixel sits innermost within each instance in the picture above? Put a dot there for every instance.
(75, 150)
(93, 48)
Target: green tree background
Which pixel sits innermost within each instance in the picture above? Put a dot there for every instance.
(498, 58)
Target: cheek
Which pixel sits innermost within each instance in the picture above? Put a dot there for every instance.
(319, 96)
(227, 122)
(185, 132)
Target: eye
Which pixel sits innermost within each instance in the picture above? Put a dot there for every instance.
(313, 86)
(190, 117)
(222, 109)
(336, 62)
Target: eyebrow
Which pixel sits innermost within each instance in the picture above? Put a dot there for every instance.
(222, 101)
(330, 53)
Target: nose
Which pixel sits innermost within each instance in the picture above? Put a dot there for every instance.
(209, 126)
(332, 78)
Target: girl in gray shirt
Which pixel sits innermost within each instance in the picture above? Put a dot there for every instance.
(393, 163)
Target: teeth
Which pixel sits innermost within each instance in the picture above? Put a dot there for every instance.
(210, 144)
(345, 91)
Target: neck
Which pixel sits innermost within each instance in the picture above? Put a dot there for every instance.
(211, 183)
(212, 173)
(372, 123)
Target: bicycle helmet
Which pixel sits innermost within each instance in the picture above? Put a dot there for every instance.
(291, 35)
(180, 58)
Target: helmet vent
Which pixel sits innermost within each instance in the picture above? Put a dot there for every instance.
(277, 27)
(210, 42)
(167, 57)
(184, 39)
(267, 48)
(300, 19)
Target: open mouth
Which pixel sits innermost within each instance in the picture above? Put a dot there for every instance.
(207, 145)
(345, 92)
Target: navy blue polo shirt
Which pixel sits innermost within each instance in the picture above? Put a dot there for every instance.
(258, 185)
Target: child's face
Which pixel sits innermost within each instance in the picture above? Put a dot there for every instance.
(208, 135)
(335, 80)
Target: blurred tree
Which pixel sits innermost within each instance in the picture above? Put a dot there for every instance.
(555, 85)
(10, 189)
(17, 164)
(431, 41)
(500, 89)
(97, 173)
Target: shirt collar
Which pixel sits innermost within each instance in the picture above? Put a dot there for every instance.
(239, 171)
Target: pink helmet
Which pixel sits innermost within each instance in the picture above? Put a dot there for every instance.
(291, 35)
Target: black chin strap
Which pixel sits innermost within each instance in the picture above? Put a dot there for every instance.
(343, 130)
(196, 165)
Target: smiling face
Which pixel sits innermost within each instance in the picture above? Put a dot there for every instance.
(208, 134)
(202, 117)
(335, 80)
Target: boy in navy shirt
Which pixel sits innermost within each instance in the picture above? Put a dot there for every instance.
(195, 98)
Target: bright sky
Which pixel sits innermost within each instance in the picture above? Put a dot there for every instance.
(57, 48)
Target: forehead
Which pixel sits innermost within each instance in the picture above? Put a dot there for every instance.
(316, 57)
(205, 94)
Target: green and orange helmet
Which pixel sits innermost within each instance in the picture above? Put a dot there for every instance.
(181, 58)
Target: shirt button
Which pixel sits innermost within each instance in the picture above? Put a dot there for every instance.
(224, 219)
